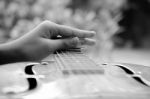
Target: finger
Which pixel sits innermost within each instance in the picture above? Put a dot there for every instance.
(73, 32)
(53, 30)
(63, 43)
(87, 41)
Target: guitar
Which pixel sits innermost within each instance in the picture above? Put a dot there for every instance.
(72, 75)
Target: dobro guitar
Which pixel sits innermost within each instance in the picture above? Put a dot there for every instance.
(72, 75)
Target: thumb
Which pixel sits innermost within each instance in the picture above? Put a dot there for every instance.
(64, 43)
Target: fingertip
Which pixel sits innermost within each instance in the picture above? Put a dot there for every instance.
(89, 33)
(88, 41)
(93, 33)
(91, 42)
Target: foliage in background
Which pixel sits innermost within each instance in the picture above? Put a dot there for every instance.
(17, 17)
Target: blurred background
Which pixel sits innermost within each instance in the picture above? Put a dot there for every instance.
(122, 26)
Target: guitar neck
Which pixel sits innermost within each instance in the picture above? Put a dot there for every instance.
(74, 61)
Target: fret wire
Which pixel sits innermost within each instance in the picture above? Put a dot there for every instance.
(77, 66)
(86, 62)
(82, 63)
(64, 63)
(84, 66)
(72, 56)
(82, 59)
(93, 65)
(68, 67)
(90, 78)
(60, 66)
(75, 61)
(91, 69)
(61, 60)
(90, 61)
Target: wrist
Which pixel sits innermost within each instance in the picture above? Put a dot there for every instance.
(10, 52)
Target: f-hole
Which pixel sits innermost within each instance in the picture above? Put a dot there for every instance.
(128, 71)
(140, 80)
(28, 70)
(32, 83)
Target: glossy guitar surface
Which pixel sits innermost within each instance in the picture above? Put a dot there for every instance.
(72, 75)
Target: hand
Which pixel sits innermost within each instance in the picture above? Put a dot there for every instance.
(48, 37)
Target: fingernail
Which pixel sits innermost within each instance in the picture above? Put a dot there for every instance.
(93, 33)
(75, 41)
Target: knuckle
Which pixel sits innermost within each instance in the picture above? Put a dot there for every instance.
(46, 24)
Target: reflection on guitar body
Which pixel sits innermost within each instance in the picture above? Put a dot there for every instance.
(71, 75)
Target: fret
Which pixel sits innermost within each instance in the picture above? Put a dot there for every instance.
(77, 63)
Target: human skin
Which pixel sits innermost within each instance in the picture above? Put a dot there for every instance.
(42, 41)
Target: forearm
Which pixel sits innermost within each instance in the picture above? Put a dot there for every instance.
(9, 53)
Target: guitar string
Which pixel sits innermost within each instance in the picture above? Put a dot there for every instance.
(68, 68)
(62, 63)
(71, 62)
(78, 61)
(88, 77)
(81, 64)
(60, 66)
(87, 67)
(64, 70)
(91, 78)
(78, 68)
(92, 68)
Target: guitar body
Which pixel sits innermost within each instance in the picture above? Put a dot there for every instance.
(71, 76)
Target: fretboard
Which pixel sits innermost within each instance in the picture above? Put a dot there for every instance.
(74, 61)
